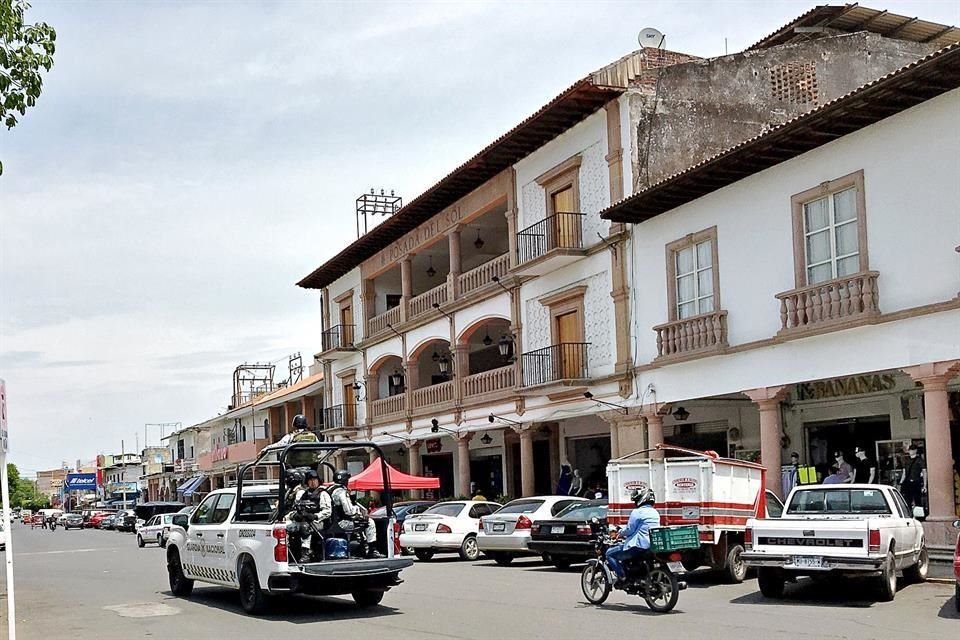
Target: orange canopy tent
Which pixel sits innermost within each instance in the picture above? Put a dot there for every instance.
(371, 479)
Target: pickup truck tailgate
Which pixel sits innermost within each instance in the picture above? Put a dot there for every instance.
(836, 538)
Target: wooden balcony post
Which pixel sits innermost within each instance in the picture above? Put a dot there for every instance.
(406, 285)
(456, 263)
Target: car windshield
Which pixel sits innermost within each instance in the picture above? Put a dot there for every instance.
(838, 501)
(452, 509)
(520, 506)
(583, 511)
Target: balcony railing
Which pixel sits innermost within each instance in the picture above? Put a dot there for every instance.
(433, 395)
(338, 337)
(483, 275)
(340, 416)
(489, 381)
(559, 231)
(425, 301)
(691, 335)
(564, 361)
(834, 301)
(387, 406)
(376, 324)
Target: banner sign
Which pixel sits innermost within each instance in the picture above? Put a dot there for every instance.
(81, 482)
(123, 487)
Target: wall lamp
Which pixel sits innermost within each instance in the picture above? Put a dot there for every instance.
(436, 428)
(500, 284)
(357, 387)
(618, 407)
(436, 305)
(680, 414)
(492, 418)
(390, 326)
(486, 439)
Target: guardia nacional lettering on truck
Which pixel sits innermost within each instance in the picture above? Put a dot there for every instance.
(242, 543)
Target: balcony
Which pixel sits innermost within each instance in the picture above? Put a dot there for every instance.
(388, 407)
(690, 336)
(832, 304)
(551, 243)
(564, 361)
(434, 395)
(484, 274)
(338, 338)
(489, 381)
(379, 323)
(340, 416)
(424, 302)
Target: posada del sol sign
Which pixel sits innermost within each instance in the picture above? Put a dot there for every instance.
(840, 387)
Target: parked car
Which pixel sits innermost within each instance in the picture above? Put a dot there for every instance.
(447, 526)
(147, 510)
(73, 521)
(126, 520)
(568, 538)
(504, 535)
(956, 567)
(401, 510)
(842, 529)
(93, 522)
(155, 530)
(108, 522)
(3, 536)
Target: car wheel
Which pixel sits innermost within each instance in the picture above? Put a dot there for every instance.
(771, 582)
(918, 572)
(252, 598)
(368, 598)
(423, 555)
(736, 569)
(562, 564)
(180, 585)
(888, 579)
(140, 542)
(161, 541)
(502, 559)
(469, 550)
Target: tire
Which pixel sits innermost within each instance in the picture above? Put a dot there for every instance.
(662, 590)
(918, 571)
(368, 598)
(502, 559)
(180, 585)
(469, 550)
(140, 542)
(423, 555)
(252, 598)
(161, 541)
(546, 558)
(563, 564)
(956, 598)
(771, 582)
(887, 584)
(595, 583)
(735, 569)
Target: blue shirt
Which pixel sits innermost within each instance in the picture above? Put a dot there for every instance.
(637, 533)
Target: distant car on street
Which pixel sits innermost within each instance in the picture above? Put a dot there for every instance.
(126, 520)
(73, 521)
(568, 537)
(447, 526)
(93, 522)
(401, 511)
(109, 523)
(3, 537)
(155, 530)
(504, 535)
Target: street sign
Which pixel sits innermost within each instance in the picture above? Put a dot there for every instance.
(3, 416)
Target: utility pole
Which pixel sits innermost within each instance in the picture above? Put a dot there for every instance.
(123, 475)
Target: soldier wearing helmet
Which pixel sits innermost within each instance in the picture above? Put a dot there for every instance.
(300, 432)
(348, 514)
(636, 535)
(310, 515)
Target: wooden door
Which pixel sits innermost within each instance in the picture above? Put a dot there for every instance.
(349, 405)
(570, 359)
(346, 326)
(566, 228)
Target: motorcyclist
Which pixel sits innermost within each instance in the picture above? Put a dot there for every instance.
(347, 513)
(300, 432)
(310, 515)
(636, 535)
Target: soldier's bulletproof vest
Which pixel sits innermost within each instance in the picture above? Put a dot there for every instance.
(302, 458)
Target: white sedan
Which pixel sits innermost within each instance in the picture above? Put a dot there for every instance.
(154, 530)
(504, 535)
(447, 526)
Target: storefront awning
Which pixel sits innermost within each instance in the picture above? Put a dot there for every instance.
(187, 488)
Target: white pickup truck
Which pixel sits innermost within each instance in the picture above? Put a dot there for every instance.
(243, 544)
(853, 529)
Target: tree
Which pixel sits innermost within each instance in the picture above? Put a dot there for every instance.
(26, 51)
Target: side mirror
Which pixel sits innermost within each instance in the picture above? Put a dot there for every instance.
(956, 523)
(594, 520)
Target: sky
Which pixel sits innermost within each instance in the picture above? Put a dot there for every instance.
(189, 162)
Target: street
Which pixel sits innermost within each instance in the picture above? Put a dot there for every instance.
(98, 584)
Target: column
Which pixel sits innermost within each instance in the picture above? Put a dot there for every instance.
(768, 400)
(307, 408)
(614, 439)
(654, 420)
(461, 369)
(463, 464)
(406, 285)
(936, 424)
(527, 484)
(511, 215)
(416, 468)
(368, 298)
(456, 264)
(411, 381)
(324, 313)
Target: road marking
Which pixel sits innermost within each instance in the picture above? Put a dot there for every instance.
(48, 553)
(143, 610)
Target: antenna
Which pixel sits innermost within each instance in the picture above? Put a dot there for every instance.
(651, 38)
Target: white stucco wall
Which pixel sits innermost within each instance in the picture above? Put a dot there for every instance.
(912, 187)
(497, 307)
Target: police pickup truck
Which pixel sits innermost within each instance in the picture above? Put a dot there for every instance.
(242, 543)
(853, 529)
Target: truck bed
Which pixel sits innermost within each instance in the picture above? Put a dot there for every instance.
(338, 577)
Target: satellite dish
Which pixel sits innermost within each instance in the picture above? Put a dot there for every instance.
(651, 38)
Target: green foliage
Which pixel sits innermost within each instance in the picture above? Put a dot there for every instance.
(23, 493)
(26, 51)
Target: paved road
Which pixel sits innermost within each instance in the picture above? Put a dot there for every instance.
(98, 584)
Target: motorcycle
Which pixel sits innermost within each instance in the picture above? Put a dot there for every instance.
(648, 576)
(53, 525)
